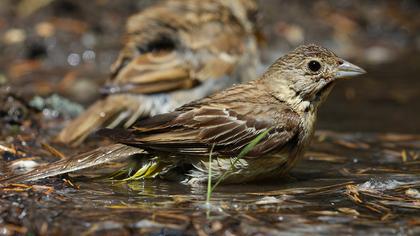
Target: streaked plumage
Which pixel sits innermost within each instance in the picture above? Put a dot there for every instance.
(175, 52)
(283, 101)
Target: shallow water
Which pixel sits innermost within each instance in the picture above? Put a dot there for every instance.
(353, 184)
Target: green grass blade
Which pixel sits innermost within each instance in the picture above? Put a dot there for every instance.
(243, 153)
(209, 189)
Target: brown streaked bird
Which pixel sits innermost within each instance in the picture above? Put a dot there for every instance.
(284, 100)
(176, 51)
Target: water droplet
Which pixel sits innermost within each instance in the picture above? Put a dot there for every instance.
(88, 55)
(73, 59)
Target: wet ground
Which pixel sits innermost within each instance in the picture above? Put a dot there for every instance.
(347, 184)
(361, 175)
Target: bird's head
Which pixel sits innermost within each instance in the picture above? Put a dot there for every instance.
(309, 72)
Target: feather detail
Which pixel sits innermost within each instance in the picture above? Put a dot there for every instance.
(151, 73)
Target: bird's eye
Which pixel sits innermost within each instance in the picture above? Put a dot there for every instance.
(314, 66)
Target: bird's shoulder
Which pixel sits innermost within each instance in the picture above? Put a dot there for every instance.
(251, 99)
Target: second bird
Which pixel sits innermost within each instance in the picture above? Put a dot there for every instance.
(175, 52)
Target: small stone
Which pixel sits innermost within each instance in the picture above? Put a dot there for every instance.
(14, 36)
(45, 29)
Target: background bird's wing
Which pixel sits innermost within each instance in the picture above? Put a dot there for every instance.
(194, 128)
(104, 112)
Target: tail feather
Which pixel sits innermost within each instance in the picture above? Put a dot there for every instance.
(102, 113)
(82, 161)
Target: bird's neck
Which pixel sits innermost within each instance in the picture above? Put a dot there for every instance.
(299, 101)
(285, 93)
(304, 105)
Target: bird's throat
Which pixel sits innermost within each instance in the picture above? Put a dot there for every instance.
(323, 93)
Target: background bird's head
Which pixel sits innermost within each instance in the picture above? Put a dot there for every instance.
(309, 73)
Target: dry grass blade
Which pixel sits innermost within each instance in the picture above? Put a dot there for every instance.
(352, 191)
(306, 191)
(25, 188)
(12, 150)
(321, 156)
(53, 151)
(349, 211)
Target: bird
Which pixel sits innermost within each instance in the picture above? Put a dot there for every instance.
(282, 104)
(175, 51)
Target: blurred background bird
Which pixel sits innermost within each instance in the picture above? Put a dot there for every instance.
(175, 52)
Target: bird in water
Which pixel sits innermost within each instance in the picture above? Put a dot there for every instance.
(282, 103)
(175, 52)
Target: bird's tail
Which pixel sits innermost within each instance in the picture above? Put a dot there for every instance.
(85, 160)
(107, 112)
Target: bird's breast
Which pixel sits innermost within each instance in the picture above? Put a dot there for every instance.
(308, 124)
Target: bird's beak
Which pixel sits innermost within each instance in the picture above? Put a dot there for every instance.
(346, 69)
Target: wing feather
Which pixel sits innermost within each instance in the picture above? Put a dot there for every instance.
(85, 160)
(229, 131)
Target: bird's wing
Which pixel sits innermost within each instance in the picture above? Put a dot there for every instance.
(151, 72)
(81, 161)
(192, 130)
(176, 44)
